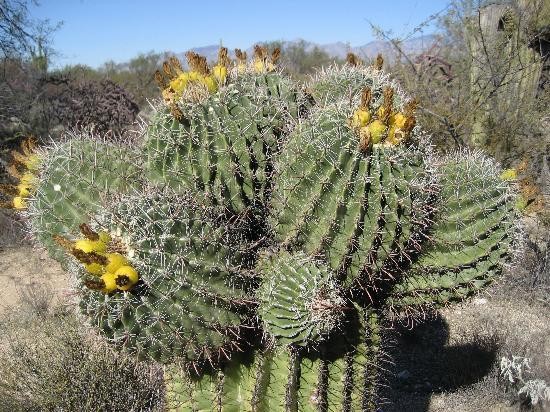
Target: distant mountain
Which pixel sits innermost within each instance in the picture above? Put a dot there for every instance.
(338, 50)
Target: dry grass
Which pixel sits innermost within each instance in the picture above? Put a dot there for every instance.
(49, 362)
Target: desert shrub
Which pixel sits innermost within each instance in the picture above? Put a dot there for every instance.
(101, 105)
(48, 362)
(516, 370)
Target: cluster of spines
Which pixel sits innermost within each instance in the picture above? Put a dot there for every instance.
(299, 300)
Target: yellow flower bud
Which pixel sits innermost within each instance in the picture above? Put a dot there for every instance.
(398, 120)
(28, 179)
(259, 66)
(179, 83)
(126, 277)
(32, 162)
(395, 136)
(110, 282)
(94, 269)
(360, 118)
(381, 112)
(24, 190)
(115, 261)
(194, 76)
(19, 203)
(220, 73)
(376, 131)
(210, 83)
(88, 246)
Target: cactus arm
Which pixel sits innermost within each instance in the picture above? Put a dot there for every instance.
(473, 233)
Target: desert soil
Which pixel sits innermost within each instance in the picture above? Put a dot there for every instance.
(27, 269)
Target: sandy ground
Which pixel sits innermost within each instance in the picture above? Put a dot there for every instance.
(28, 270)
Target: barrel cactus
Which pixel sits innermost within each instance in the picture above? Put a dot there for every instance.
(262, 233)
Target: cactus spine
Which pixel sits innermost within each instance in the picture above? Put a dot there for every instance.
(261, 236)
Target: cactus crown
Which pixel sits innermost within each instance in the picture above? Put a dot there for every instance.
(263, 231)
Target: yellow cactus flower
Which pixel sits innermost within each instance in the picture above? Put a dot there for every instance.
(360, 118)
(194, 76)
(115, 261)
(95, 269)
(509, 174)
(395, 136)
(210, 83)
(104, 237)
(126, 277)
(376, 131)
(380, 113)
(270, 67)
(24, 190)
(259, 66)
(110, 282)
(220, 73)
(28, 178)
(179, 84)
(398, 120)
(32, 162)
(88, 246)
(19, 203)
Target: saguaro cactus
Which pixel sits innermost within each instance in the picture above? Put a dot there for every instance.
(264, 231)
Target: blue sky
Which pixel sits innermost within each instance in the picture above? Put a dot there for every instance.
(95, 31)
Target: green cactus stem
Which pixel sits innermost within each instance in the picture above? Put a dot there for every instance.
(338, 376)
(223, 147)
(359, 211)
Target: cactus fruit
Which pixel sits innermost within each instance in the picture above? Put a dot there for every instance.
(261, 235)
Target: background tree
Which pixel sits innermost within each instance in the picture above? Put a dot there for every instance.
(25, 49)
